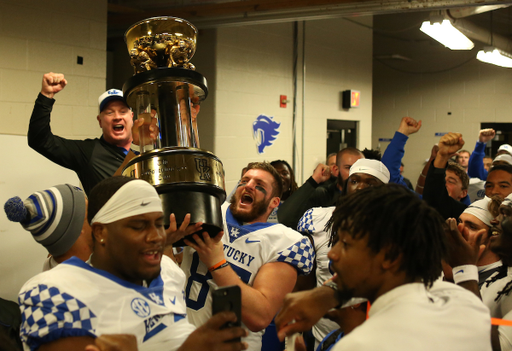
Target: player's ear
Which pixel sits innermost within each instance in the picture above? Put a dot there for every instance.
(99, 232)
(390, 264)
(274, 202)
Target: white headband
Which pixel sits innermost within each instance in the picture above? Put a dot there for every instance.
(372, 167)
(480, 210)
(134, 198)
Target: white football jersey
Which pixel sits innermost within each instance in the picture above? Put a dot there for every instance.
(75, 299)
(313, 222)
(247, 248)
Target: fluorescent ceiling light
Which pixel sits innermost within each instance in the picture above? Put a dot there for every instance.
(495, 57)
(447, 34)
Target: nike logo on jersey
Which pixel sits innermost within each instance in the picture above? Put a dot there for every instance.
(173, 301)
(144, 203)
(247, 241)
(238, 255)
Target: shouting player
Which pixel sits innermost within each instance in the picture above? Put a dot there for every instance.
(262, 258)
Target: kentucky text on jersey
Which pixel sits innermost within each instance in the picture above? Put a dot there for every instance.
(238, 255)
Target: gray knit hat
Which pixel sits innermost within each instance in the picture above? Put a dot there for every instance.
(54, 216)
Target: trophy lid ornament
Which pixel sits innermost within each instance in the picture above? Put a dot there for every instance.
(161, 42)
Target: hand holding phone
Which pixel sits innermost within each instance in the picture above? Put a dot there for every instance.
(228, 298)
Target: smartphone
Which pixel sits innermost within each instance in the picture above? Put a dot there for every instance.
(228, 298)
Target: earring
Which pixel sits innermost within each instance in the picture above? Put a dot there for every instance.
(101, 241)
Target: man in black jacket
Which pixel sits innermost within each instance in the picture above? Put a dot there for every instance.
(92, 159)
(310, 194)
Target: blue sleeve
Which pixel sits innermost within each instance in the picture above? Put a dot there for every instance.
(392, 158)
(300, 255)
(476, 162)
(48, 314)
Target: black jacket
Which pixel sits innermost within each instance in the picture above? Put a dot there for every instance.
(436, 195)
(92, 159)
(309, 195)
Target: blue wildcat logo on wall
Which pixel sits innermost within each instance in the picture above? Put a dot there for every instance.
(264, 132)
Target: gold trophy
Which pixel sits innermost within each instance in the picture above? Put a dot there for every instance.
(166, 86)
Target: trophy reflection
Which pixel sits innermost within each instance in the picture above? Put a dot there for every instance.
(166, 86)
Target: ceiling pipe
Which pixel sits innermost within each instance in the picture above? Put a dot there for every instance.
(473, 31)
(482, 35)
(462, 12)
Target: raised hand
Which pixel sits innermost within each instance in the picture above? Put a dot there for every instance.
(486, 135)
(448, 146)
(450, 143)
(409, 126)
(52, 84)
(321, 173)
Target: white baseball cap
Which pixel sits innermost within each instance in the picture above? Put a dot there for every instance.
(108, 96)
(505, 147)
(504, 158)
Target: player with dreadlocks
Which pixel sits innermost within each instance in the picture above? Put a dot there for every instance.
(387, 247)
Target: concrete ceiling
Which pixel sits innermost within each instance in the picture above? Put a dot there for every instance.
(398, 42)
(216, 13)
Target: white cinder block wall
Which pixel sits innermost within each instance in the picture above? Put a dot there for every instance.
(38, 37)
(254, 67)
(43, 36)
(454, 101)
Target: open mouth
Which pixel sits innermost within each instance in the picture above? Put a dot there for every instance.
(118, 127)
(246, 199)
(152, 256)
(495, 231)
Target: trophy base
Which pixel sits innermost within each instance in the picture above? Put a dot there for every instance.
(188, 180)
(203, 207)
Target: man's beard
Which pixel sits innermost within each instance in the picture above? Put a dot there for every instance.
(258, 209)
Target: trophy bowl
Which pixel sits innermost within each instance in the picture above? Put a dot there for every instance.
(161, 42)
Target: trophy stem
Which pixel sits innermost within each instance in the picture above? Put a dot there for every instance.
(166, 107)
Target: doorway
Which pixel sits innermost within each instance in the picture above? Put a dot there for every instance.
(340, 134)
(503, 136)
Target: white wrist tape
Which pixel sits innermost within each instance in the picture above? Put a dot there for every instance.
(465, 273)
